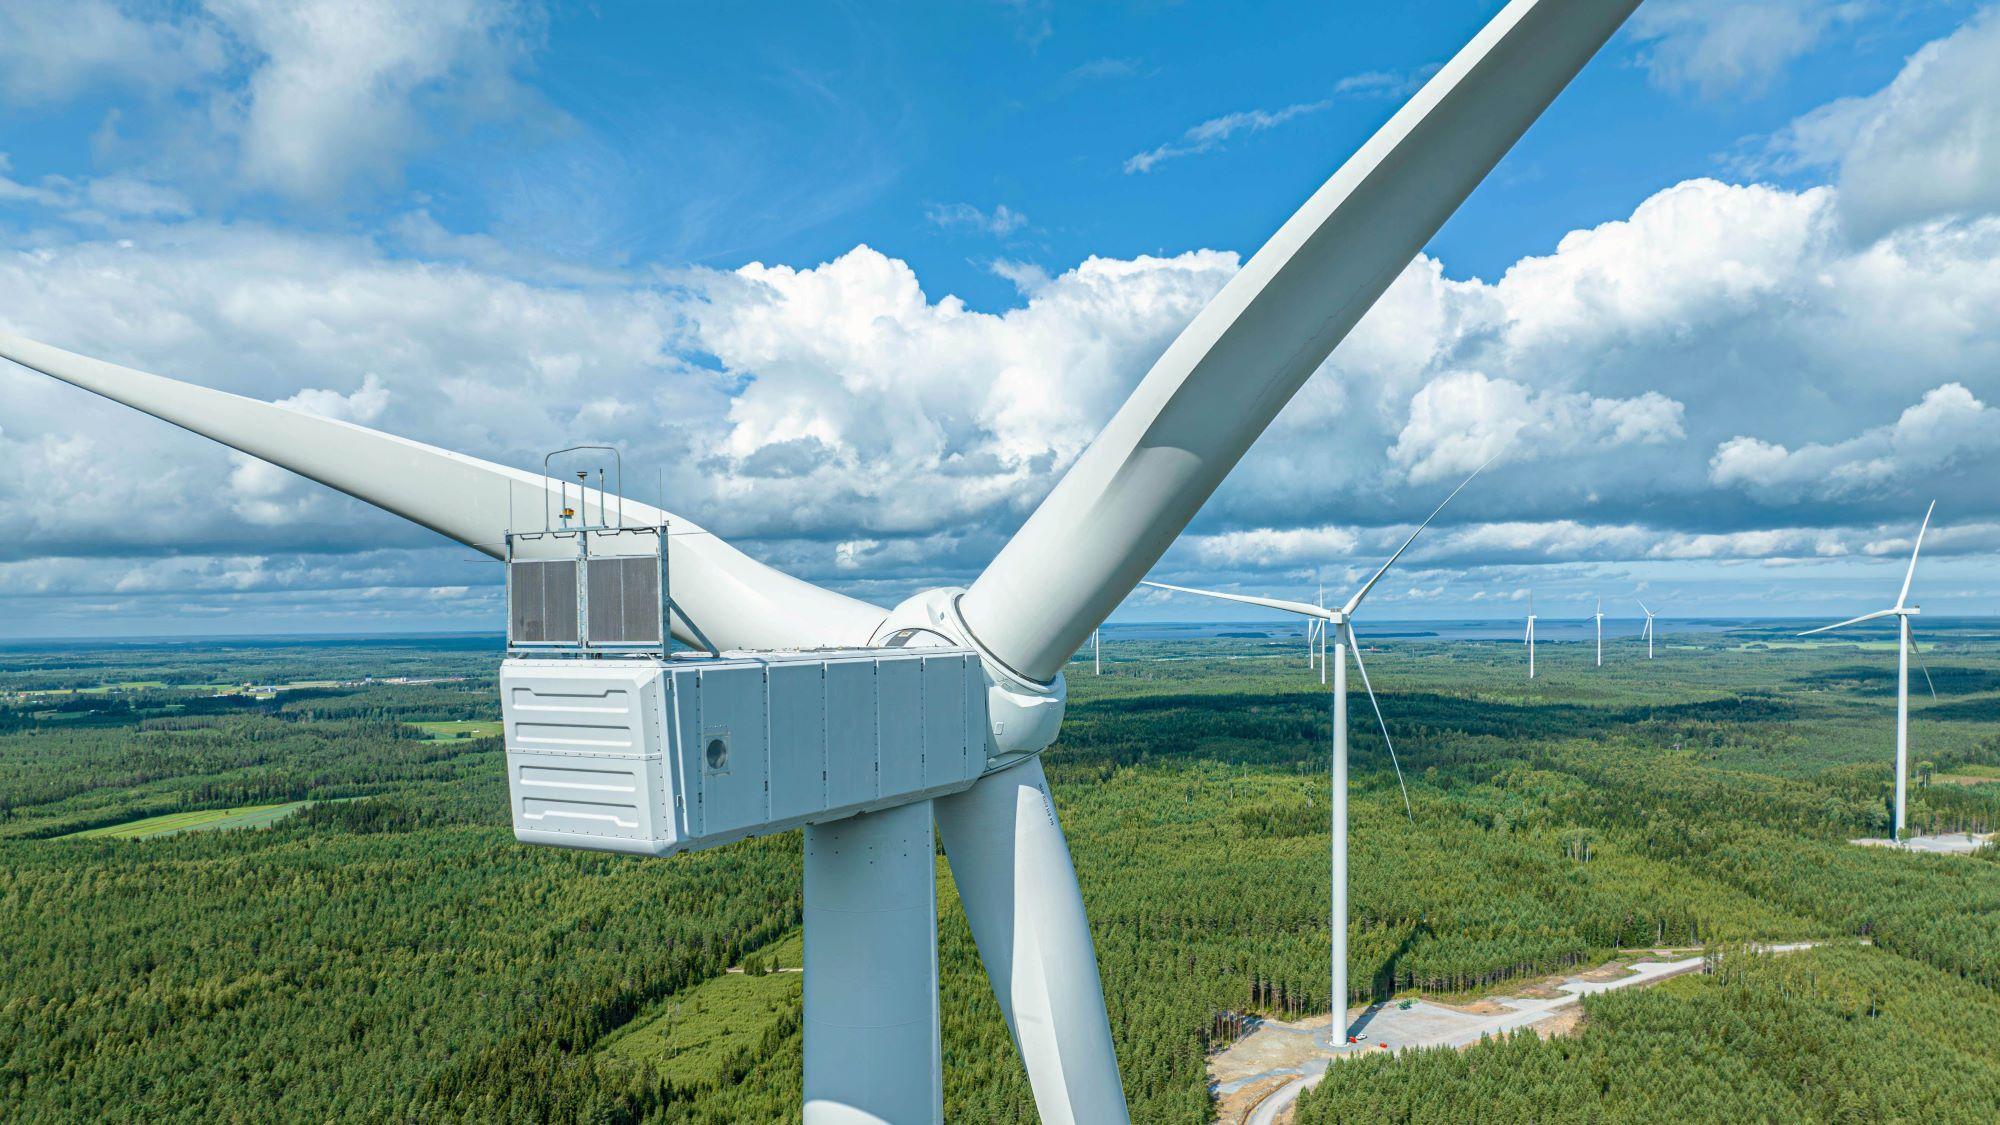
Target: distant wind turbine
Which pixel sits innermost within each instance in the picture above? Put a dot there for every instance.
(1312, 633)
(1529, 639)
(1319, 599)
(1648, 632)
(1902, 612)
(1600, 632)
(1342, 622)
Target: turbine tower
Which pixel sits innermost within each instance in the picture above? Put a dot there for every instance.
(1319, 599)
(1648, 631)
(1341, 622)
(871, 1007)
(1902, 612)
(1599, 618)
(1312, 630)
(1529, 637)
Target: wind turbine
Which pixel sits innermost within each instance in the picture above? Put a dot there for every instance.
(1902, 612)
(1600, 632)
(1097, 651)
(1529, 638)
(871, 1008)
(1341, 622)
(1648, 631)
(1319, 599)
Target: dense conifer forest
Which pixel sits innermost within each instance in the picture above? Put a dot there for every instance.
(387, 951)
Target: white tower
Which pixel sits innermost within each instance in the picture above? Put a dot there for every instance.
(1902, 611)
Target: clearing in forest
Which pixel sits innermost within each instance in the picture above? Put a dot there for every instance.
(200, 820)
(1257, 1078)
(696, 1036)
(459, 728)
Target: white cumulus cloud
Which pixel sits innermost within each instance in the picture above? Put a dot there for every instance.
(1462, 420)
(1948, 427)
(1927, 146)
(302, 98)
(1719, 47)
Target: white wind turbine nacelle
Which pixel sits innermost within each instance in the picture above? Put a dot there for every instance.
(869, 1009)
(1902, 611)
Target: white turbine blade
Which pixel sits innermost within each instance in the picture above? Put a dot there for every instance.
(1644, 610)
(1849, 621)
(1015, 879)
(1914, 651)
(1305, 608)
(1354, 602)
(1912, 572)
(1216, 388)
(730, 599)
(1362, 668)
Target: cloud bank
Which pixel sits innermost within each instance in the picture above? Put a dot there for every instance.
(1736, 373)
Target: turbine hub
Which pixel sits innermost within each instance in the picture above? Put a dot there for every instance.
(1023, 717)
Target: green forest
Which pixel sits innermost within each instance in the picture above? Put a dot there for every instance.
(380, 948)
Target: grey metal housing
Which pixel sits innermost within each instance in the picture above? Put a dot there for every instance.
(656, 756)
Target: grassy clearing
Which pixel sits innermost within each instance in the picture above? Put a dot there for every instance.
(459, 728)
(1862, 646)
(1970, 773)
(200, 820)
(698, 1035)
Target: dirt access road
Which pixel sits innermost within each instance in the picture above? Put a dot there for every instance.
(1259, 1077)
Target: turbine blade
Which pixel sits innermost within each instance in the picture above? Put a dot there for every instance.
(722, 594)
(1849, 621)
(1914, 651)
(1644, 610)
(1015, 879)
(1216, 388)
(1354, 644)
(1355, 601)
(1912, 572)
(1306, 608)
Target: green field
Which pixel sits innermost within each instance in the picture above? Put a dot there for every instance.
(459, 728)
(200, 820)
(1856, 646)
(704, 1035)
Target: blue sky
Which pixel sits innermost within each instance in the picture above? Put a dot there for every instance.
(729, 237)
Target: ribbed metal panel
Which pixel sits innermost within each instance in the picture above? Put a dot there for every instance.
(542, 602)
(656, 756)
(624, 600)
